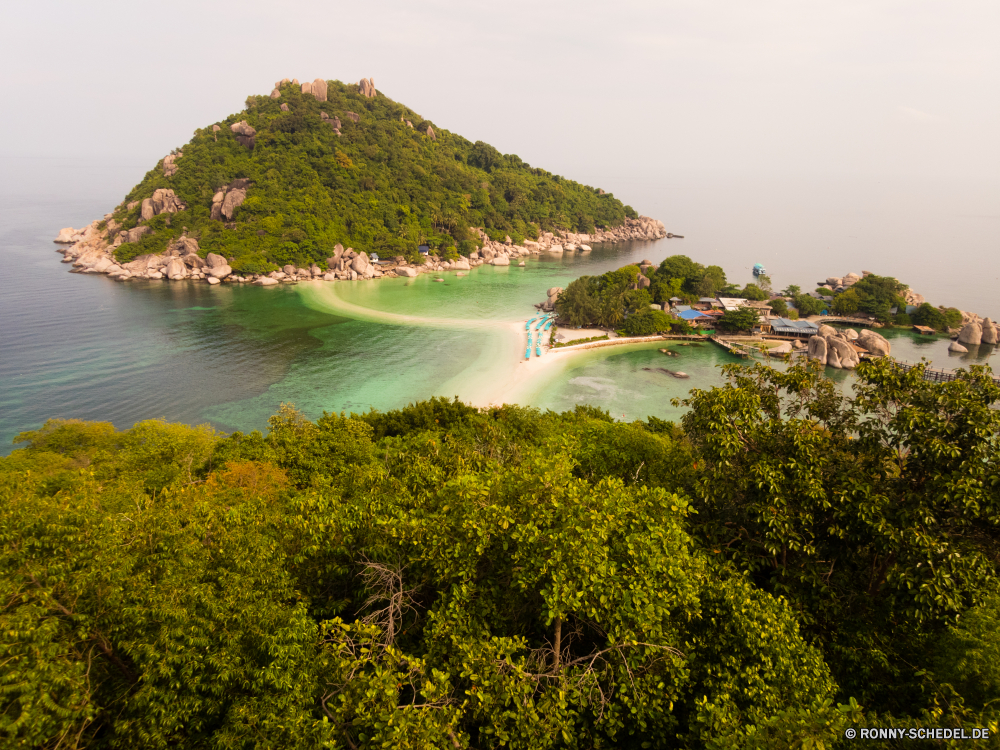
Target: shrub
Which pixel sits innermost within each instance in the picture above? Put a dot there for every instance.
(647, 322)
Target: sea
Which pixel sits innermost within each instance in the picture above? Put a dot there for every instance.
(84, 347)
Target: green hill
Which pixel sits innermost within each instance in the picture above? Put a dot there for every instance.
(384, 180)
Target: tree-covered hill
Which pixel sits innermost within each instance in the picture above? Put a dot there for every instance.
(784, 564)
(359, 170)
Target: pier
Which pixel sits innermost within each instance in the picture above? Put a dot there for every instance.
(936, 374)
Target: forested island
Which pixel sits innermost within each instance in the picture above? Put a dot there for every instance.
(637, 297)
(784, 564)
(321, 179)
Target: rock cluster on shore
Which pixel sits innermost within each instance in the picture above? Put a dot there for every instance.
(836, 284)
(837, 349)
(976, 332)
(91, 250)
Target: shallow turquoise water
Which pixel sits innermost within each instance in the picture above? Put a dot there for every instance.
(85, 347)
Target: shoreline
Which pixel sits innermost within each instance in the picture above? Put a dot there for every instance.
(91, 250)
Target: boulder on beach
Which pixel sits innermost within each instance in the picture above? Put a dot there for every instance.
(406, 271)
(265, 281)
(954, 346)
(500, 260)
(971, 333)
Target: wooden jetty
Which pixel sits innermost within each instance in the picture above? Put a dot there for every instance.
(936, 374)
(730, 347)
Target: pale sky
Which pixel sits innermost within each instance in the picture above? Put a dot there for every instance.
(777, 87)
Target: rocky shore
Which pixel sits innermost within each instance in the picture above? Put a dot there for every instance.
(91, 250)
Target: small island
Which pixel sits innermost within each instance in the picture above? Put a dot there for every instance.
(337, 182)
(680, 298)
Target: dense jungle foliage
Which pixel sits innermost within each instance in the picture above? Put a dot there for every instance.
(381, 186)
(785, 563)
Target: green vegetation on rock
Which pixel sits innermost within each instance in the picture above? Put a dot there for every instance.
(379, 186)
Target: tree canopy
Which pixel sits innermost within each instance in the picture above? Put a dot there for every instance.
(785, 563)
(379, 186)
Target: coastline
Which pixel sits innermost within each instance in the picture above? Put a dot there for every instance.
(91, 250)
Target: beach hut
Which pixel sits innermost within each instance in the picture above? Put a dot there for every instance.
(924, 330)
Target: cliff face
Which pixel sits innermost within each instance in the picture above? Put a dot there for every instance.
(311, 166)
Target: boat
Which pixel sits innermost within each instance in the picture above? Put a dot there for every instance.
(759, 270)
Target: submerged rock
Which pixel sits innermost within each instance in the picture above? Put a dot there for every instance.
(954, 346)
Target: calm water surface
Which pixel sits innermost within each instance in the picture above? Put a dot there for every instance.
(90, 348)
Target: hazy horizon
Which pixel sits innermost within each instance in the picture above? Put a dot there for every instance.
(866, 132)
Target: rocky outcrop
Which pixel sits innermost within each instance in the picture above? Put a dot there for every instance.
(163, 201)
(817, 349)
(136, 234)
(226, 200)
(875, 343)
(367, 88)
(68, 235)
(169, 167)
(353, 116)
(990, 333)
(245, 134)
(275, 93)
(841, 354)
(319, 90)
(431, 134)
(216, 128)
(971, 334)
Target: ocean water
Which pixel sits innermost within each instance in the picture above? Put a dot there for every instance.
(78, 346)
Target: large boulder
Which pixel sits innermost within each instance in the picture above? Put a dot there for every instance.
(971, 334)
(175, 269)
(134, 235)
(319, 89)
(845, 354)
(275, 94)
(954, 346)
(228, 199)
(265, 281)
(214, 260)
(817, 349)
(875, 343)
(163, 201)
(990, 333)
(431, 134)
(360, 263)
(244, 133)
(500, 260)
(66, 235)
(307, 88)
(850, 334)
(169, 168)
(462, 264)
(367, 88)
(826, 331)
(219, 272)
(406, 271)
